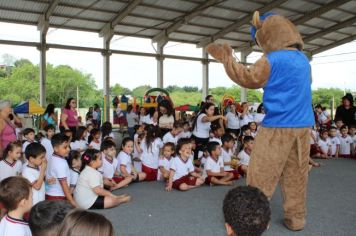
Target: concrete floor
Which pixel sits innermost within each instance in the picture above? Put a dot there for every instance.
(331, 207)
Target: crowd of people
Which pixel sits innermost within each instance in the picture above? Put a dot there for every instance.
(81, 165)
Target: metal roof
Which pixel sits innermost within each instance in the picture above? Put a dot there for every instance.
(324, 24)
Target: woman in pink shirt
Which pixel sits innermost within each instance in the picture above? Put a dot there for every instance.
(7, 129)
(69, 117)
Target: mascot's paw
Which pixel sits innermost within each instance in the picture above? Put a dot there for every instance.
(220, 52)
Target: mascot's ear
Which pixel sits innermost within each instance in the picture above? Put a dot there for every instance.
(256, 20)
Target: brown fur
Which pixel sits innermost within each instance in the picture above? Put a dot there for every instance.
(280, 155)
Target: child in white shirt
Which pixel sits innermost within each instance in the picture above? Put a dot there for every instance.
(182, 176)
(324, 145)
(346, 143)
(35, 170)
(186, 131)
(127, 170)
(10, 165)
(80, 144)
(18, 201)
(46, 141)
(29, 135)
(90, 192)
(174, 134)
(230, 165)
(75, 163)
(94, 139)
(244, 155)
(164, 161)
(334, 141)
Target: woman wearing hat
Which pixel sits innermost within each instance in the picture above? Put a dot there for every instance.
(347, 111)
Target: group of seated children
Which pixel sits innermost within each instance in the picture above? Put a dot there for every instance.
(333, 142)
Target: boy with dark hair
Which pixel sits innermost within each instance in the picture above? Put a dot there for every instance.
(46, 141)
(16, 196)
(47, 216)
(244, 155)
(173, 135)
(59, 170)
(228, 142)
(214, 167)
(35, 170)
(246, 211)
(29, 135)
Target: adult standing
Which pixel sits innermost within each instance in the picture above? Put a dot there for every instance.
(166, 116)
(89, 113)
(69, 117)
(201, 126)
(132, 121)
(233, 121)
(7, 129)
(49, 116)
(347, 111)
(260, 115)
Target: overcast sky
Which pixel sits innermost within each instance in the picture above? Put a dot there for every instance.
(332, 68)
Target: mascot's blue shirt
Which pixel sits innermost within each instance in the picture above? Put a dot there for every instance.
(287, 96)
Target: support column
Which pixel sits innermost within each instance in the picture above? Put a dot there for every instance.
(106, 77)
(160, 59)
(205, 87)
(244, 90)
(42, 48)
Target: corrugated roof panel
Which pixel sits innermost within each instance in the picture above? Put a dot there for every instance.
(239, 36)
(145, 22)
(321, 23)
(135, 30)
(305, 30)
(320, 41)
(232, 43)
(24, 5)
(74, 11)
(243, 5)
(224, 13)
(337, 15)
(19, 16)
(179, 5)
(185, 37)
(146, 11)
(335, 36)
(110, 5)
(301, 5)
(349, 6)
(211, 21)
(202, 30)
(84, 24)
(348, 30)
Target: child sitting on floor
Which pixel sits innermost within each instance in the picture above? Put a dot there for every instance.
(94, 139)
(214, 167)
(75, 163)
(230, 165)
(80, 144)
(164, 161)
(346, 143)
(174, 134)
(334, 142)
(29, 135)
(246, 212)
(127, 170)
(110, 168)
(324, 145)
(244, 155)
(16, 196)
(182, 176)
(90, 192)
(46, 141)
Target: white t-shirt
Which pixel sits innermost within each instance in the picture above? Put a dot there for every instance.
(214, 165)
(74, 175)
(14, 227)
(181, 168)
(334, 141)
(187, 134)
(95, 145)
(169, 138)
(147, 120)
(7, 169)
(124, 159)
(141, 120)
(79, 145)
(84, 195)
(246, 119)
(48, 146)
(324, 145)
(244, 158)
(258, 118)
(233, 121)
(57, 168)
(165, 163)
(109, 167)
(323, 116)
(32, 174)
(131, 118)
(201, 129)
(226, 155)
(24, 145)
(345, 145)
(214, 139)
(314, 134)
(150, 156)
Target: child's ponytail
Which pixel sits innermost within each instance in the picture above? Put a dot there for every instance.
(89, 156)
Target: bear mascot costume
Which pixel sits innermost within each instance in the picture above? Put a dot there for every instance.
(281, 149)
